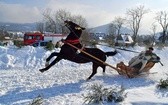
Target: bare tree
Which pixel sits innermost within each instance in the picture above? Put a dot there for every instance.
(110, 38)
(60, 16)
(153, 28)
(162, 18)
(112, 29)
(118, 21)
(135, 16)
(80, 20)
(40, 27)
(50, 23)
(55, 21)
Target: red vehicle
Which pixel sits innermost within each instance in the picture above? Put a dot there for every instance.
(30, 38)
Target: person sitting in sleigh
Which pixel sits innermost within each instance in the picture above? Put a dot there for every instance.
(138, 64)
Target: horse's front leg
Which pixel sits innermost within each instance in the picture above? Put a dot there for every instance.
(49, 58)
(51, 64)
(52, 55)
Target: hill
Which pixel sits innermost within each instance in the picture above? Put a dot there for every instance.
(105, 29)
(32, 27)
(18, 27)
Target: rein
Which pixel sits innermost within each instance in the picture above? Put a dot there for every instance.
(94, 57)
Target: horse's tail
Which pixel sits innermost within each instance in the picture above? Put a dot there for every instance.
(111, 53)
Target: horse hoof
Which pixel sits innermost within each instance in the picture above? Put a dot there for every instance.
(87, 79)
(41, 70)
(46, 64)
(104, 74)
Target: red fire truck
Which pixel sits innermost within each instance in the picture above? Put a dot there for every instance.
(32, 37)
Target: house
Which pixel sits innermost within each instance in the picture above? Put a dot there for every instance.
(6, 41)
(123, 40)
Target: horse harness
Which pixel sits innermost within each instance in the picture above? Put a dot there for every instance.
(76, 43)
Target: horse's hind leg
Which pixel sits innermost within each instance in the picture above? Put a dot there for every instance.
(51, 64)
(95, 66)
(104, 68)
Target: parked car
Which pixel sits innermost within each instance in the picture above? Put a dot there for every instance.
(40, 44)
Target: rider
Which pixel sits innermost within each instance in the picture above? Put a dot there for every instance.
(140, 61)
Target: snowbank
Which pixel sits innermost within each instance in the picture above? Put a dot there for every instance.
(63, 84)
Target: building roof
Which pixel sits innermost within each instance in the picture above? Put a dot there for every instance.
(124, 39)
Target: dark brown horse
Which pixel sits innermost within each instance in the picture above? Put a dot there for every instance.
(71, 54)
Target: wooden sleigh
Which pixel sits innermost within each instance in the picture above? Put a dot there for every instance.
(133, 72)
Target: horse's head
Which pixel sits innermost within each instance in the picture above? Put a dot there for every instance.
(73, 26)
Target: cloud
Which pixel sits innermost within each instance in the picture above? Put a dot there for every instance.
(17, 13)
(95, 16)
(95, 12)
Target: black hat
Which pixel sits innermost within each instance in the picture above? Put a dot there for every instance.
(151, 48)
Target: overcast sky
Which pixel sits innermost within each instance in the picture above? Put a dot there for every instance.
(96, 12)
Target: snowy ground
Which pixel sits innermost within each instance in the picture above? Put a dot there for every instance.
(64, 83)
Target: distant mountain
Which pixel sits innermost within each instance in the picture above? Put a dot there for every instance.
(18, 27)
(105, 29)
(26, 27)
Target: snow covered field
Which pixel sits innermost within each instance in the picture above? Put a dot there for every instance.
(64, 83)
